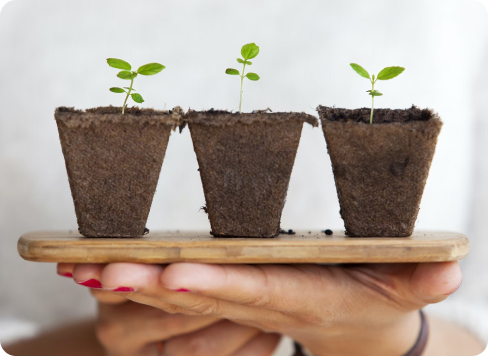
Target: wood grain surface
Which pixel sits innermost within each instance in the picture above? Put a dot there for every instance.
(198, 246)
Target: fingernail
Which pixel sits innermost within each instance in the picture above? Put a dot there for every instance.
(123, 289)
(182, 290)
(66, 274)
(91, 283)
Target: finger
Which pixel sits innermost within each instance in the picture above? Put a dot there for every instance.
(412, 284)
(262, 345)
(276, 287)
(221, 339)
(126, 329)
(65, 269)
(146, 282)
(434, 282)
(110, 298)
(88, 275)
(124, 278)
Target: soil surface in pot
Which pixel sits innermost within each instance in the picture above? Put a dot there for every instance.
(245, 163)
(113, 163)
(381, 169)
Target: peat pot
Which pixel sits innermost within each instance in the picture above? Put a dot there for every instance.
(380, 169)
(113, 163)
(245, 163)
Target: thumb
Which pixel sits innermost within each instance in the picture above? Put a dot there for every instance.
(434, 282)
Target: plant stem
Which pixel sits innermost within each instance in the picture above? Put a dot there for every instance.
(372, 105)
(372, 109)
(242, 80)
(127, 97)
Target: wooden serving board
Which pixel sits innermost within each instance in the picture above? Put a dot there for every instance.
(303, 247)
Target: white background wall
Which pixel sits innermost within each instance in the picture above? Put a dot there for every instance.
(52, 53)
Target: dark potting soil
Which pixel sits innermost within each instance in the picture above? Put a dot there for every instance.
(328, 232)
(83, 118)
(381, 116)
(380, 170)
(224, 118)
(116, 110)
(113, 163)
(287, 232)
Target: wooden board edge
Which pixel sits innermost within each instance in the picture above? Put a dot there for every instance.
(24, 247)
(38, 251)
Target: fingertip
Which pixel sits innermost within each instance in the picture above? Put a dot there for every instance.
(434, 282)
(189, 276)
(88, 274)
(175, 276)
(128, 277)
(65, 269)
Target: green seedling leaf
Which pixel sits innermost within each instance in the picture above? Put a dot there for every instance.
(118, 63)
(137, 98)
(130, 88)
(125, 74)
(232, 71)
(150, 69)
(252, 76)
(249, 51)
(360, 70)
(386, 74)
(117, 90)
(390, 73)
(249, 63)
(375, 93)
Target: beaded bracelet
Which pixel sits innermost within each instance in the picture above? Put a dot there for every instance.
(417, 349)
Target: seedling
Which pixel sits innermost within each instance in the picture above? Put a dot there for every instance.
(248, 51)
(128, 74)
(386, 74)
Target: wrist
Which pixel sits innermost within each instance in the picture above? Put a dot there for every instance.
(392, 338)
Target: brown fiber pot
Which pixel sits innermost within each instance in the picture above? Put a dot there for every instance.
(245, 163)
(113, 163)
(380, 170)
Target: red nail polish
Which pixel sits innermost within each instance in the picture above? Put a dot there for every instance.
(124, 289)
(91, 283)
(66, 274)
(183, 290)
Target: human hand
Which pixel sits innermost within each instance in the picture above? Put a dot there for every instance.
(331, 310)
(126, 328)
